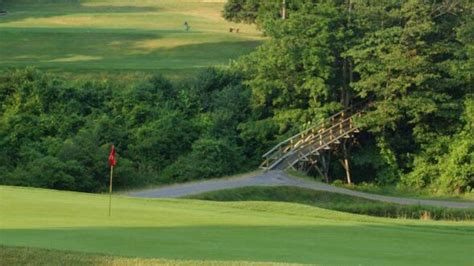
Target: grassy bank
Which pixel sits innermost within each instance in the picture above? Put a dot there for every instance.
(401, 191)
(106, 36)
(393, 190)
(339, 202)
(224, 231)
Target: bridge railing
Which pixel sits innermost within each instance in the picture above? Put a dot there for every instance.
(326, 128)
(324, 139)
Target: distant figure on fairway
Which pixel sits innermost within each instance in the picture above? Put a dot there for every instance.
(186, 26)
(232, 30)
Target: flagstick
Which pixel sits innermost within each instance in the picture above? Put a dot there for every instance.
(110, 189)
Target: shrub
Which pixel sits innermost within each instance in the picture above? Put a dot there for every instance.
(208, 158)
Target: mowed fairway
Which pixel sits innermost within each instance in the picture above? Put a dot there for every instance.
(219, 231)
(125, 35)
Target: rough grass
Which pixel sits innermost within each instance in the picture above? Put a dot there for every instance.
(120, 35)
(217, 231)
(393, 190)
(38, 256)
(335, 201)
(407, 192)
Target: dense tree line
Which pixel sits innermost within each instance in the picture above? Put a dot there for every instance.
(57, 133)
(413, 59)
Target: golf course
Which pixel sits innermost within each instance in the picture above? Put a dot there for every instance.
(236, 132)
(238, 231)
(120, 35)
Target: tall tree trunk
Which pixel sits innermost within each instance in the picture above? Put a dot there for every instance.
(347, 69)
(283, 10)
(345, 161)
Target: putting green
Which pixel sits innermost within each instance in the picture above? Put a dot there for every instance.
(219, 231)
(122, 35)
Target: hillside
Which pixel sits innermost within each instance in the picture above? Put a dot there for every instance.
(120, 35)
(199, 230)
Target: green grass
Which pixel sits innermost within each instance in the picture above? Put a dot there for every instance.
(38, 256)
(407, 192)
(231, 231)
(335, 201)
(121, 35)
(392, 190)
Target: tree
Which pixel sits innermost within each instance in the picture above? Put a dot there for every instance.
(241, 10)
(405, 65)
(404, 56)
(302, 74)
(260, 12)
(456, 167)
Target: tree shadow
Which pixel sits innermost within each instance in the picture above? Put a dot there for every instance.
(366, 244)
(116, 49)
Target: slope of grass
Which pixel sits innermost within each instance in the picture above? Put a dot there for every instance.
(107, 35)
(235, 231)
(407, 192)
(335, 201)
(393, 190)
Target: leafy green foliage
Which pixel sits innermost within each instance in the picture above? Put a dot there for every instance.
(57, 134)
(241, 10)
(208, 158)
(290, 75)
(412, 60)
(453, 168)
(406, 62)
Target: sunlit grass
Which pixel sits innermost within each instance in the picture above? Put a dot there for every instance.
(335, 201)
(25, 256)
(217, 231)
(120, 35)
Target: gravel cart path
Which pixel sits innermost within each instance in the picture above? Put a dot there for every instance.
(279, 178)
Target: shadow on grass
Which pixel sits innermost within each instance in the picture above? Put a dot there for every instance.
(339, 244)
(20, 10)
(116, 49)
(38, 256)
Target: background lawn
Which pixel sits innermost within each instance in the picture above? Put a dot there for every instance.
(238, 231)
(120, 35)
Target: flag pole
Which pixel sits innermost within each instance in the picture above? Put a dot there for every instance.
(112, 163)
(110, 189)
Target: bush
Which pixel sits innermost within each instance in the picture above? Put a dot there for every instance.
(57, 133)
(208, 158)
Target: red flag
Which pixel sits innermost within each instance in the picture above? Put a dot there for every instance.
(112, 160)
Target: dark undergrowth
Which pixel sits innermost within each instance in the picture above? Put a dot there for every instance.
(339, 202)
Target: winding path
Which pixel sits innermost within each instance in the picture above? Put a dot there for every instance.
(279, 178)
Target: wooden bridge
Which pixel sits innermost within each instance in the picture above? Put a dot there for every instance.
(313, 147)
